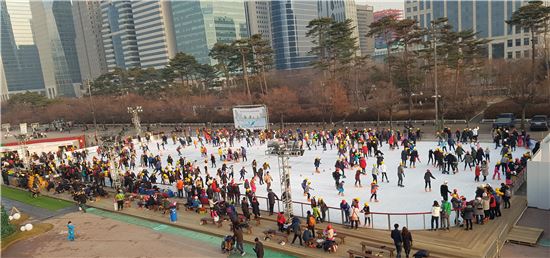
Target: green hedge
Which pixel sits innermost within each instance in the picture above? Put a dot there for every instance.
(7, 228)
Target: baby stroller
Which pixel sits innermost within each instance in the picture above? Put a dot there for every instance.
(228, 244)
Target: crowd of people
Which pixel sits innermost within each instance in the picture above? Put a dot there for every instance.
(212, 182)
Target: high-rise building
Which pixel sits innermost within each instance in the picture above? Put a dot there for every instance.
(89, 42)
(485, 17)
(54, 35)
(365, 16)
(198, 25)
(289, 20)
(341, 10)
(258, 17)
(119, 36)
(154, 32)
(20, 66)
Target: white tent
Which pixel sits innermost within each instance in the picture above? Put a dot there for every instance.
(538, 177)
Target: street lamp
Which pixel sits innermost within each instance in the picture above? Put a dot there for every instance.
(134, 111)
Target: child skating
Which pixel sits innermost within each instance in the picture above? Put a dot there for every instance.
(374, 191)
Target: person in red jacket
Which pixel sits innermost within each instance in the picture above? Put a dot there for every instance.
(478, 173)
(281, 221)
(363, 164)
(365, 150)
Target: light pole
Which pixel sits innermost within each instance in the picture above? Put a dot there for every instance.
(92, 105)
(434, 39)
(134, 111)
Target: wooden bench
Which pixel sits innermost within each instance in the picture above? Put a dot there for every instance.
(205, 220)
(341, 237)
(269, 234)
(376, 246)
(354, 253)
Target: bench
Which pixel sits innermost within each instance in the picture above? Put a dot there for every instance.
(269, 234)
(341, 237)
(376, 246)
(205, 220)
(354, 253)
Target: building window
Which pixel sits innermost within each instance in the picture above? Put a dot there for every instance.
(510, 43)
(421, 5)
(526, 41)
(408, 10)
(415, 9)
(526, 30)
(518, 29)
(526, 53)
(428, 4)
(518, 54)
(518, 42)
(510, 55)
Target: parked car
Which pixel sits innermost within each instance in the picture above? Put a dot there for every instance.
(539, 122)
(505, 120)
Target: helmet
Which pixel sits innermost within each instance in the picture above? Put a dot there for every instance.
(366, 204)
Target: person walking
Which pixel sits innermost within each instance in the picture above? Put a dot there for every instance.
(436, 212)
(407, 239)
(297, 230)
(258, 248)
(397, 239)
(238, 236)
(427, 180)
(311, 221)
(119, 200)
(70, 228)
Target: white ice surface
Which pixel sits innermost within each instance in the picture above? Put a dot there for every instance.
(392, 199)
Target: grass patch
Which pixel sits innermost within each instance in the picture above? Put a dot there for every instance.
(22, 235)
(41, 201)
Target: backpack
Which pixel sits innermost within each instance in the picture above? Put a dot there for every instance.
(508, 193)
(311, 221)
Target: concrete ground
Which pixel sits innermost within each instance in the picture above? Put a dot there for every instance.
(531, 218)
(101, 237)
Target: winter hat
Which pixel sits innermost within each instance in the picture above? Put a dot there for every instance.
(445, 182)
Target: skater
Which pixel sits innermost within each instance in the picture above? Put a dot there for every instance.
(317, 163)
(336, 176)
(70, 228)
(363, 164)
(358, 178)
(341, 188)
(383, 169)
(436, 212)
(431, 159)
(444, 190)
(496, 172)
(374, 191)
(397, 239)
(468, 160)
(427, 181)
(375, 172)
(366, 211)
(400, 175)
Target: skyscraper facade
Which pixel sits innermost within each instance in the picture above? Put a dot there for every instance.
(198, 25)
(154, 32)
(89, 42)
(485, 17)
(365, 16)
(289, 20)
(21, 69)
(341, 10)
(54, 34)
(119, 36)
(258, 18)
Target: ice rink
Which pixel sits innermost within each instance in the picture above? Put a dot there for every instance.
(392, 199)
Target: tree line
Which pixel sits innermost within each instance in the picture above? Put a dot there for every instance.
(342, 83)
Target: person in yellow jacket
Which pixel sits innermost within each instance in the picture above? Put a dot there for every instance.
(119, 197)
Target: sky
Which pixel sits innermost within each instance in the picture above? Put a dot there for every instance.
(383, 4)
